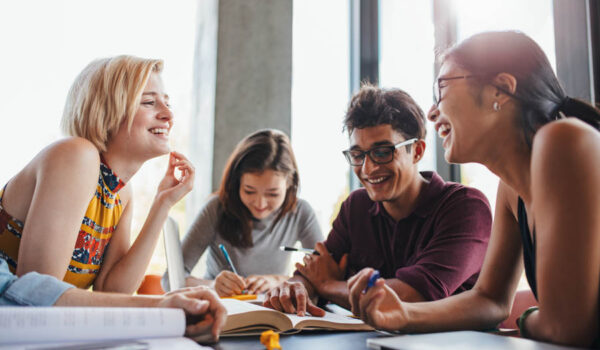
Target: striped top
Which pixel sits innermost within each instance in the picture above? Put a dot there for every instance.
(100, 221)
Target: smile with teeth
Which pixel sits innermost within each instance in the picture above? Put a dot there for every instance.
(160, 131)
(377, 180)
(443, 130)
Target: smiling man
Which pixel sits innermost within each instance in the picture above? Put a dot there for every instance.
(426, 237)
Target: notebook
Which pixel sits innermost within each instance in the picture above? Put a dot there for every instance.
(462, 340)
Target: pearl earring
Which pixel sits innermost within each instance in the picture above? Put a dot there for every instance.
(496, 106)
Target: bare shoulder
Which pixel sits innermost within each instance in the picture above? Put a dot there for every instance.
(70, 157)
(563, 137)
(565, 152)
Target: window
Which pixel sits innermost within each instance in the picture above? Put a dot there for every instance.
(320, 95)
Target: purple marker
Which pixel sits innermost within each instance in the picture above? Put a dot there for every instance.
(374, 277)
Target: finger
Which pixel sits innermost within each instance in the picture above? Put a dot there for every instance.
(234, 282)
(301, 300)
(314, 310)
(301, 268)
(261, 287)
(320, 247)
(217, 310)
(171, 166)
(179, 155)
(285, 299)
(274, 299)
(307, 259)
(251, 282)
(358, 284)
(369, 306)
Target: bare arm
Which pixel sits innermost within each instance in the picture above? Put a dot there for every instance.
(124, 266)
(65, 174)
(565, 203)
(486, 305)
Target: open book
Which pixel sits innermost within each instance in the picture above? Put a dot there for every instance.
(86, 327)
(245, 318)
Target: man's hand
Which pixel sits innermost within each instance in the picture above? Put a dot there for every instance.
(320, 269)
(256, 284)
(380, 306)
(292, 297)
(204, 312)
(228, 283)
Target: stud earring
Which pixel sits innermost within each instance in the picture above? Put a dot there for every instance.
(496, 106)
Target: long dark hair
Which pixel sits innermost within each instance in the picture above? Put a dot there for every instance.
(538, 91)
(262, 150)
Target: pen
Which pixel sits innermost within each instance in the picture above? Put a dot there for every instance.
(222, 247)
(374, 277)
(303, 250)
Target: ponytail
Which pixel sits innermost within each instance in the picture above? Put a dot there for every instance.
(581, 110)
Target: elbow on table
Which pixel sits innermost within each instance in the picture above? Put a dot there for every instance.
(562, 333)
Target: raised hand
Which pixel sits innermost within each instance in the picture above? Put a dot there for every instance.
(322, 268)
(171, 189)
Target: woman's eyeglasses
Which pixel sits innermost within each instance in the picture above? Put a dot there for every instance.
(437, 87)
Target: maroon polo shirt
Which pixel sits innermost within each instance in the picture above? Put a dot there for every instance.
(438, 249)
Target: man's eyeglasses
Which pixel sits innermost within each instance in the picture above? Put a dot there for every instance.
(437, 87)
(379, 154)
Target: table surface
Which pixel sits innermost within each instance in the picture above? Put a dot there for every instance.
(311, 340)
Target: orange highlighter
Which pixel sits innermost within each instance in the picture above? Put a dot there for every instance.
(241, 297)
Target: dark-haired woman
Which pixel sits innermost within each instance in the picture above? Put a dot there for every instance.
(256, 211)
(499, 103)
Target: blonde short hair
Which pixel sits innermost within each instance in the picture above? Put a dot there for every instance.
(104, 95)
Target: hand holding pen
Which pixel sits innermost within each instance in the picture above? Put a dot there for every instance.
(228, 283)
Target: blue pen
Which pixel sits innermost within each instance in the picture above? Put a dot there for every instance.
(374, 277)
(222, 247)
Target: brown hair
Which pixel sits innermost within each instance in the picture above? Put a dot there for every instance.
(372, 106)
(267, 149)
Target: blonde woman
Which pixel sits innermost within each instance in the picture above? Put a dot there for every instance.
(68, 212)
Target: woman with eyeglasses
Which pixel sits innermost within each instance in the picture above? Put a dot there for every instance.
(499, 103)
(254, 213)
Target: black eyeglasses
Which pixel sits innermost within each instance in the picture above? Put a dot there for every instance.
(379, 154)
(437, 88)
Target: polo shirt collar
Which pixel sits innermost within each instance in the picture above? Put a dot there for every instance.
(427, 197)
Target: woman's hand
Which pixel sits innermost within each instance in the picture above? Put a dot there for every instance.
(256, 284)
(171, 189)
(205, 315)
(379, 307)
(228, 283)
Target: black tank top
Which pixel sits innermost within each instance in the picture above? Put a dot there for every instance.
(528, 247)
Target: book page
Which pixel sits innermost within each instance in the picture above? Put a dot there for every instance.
(329, 321)
(244, 316)
(247, 317)
(87, 324)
